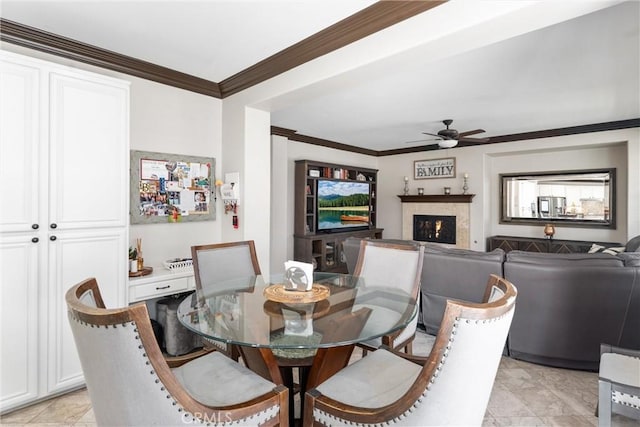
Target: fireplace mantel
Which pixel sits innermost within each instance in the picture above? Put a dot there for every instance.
(437, 198)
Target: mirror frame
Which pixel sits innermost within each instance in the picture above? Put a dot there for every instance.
(610, 223)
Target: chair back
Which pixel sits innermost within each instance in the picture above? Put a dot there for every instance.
(128, 380)
(224, 262)
(455, 384)
(119, 355)
(392, 265)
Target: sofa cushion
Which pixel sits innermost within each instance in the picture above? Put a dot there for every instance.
(566, 310)
(457, 274)
(630, 259)
(495, 255)
(598, 259)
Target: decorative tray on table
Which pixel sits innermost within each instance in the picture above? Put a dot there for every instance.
(278, 293)
(143, 272)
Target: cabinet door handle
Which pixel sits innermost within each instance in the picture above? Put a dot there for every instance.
(159, 288)
(35, 240)
(54, 225)
(52, 238)
(35, 226)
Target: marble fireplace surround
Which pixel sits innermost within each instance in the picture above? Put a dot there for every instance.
(458, 205)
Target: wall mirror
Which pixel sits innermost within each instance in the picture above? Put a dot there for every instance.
(583, 198)
(171, 188)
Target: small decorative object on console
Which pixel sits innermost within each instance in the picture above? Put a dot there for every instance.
(139, 258)
(549, 231)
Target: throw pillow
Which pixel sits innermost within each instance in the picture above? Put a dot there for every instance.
(614, 250)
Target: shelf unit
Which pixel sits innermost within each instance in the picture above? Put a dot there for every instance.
(326, 248)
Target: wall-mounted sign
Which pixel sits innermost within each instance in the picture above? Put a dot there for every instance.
(434, 168)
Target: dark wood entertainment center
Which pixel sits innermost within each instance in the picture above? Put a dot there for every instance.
(326, 248)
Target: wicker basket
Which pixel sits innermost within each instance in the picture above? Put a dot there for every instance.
(179, 264)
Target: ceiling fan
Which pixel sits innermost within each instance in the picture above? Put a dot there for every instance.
(449, 138)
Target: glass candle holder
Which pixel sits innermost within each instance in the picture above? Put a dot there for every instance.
(447, 190)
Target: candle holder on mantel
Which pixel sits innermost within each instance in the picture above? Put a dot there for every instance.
(406, 185)
(465, 187)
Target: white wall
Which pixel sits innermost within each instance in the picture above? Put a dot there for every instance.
(171, 120)
(619, 149)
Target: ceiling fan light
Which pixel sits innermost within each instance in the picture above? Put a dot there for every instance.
(448, 143)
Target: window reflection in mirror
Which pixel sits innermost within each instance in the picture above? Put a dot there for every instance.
(580, 198)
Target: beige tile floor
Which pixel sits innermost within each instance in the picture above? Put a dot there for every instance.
(524, 394)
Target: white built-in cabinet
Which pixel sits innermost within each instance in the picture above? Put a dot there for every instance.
(64, 167)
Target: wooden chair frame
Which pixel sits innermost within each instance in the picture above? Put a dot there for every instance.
(232, 350)
(453, 311)
(138, 313)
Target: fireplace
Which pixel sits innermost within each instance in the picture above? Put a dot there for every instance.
(434, 228)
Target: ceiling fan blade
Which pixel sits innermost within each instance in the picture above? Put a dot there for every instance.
(471, 132)
(433, 134)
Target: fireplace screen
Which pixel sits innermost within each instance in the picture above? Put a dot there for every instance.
(434, 228)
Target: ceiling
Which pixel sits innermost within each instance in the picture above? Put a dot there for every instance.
(505, 66)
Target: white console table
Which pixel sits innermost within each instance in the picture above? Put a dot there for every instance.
(161, 282)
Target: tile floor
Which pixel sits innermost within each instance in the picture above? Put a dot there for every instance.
(524, 394)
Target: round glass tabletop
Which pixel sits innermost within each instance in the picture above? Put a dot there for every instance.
(241, 312)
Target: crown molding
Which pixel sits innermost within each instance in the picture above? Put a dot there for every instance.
(295, 136)
(33, 38)
(376, 17)
(549, 133)
(370, 20)
(572, 130)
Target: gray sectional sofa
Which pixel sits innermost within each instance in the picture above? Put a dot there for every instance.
(567, 303)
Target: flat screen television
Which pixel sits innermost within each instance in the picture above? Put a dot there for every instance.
(342, 206)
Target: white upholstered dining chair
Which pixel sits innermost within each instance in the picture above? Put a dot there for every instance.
(451, 386)
(399, 266)
(618, 384)
(219, 263)
(130, 383)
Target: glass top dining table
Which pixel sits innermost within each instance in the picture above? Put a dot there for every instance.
(349, 310)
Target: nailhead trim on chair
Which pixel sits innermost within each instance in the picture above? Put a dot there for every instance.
(269, 413)
(615, 398)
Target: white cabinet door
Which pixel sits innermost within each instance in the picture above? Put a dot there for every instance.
(73, 257)
(64, 160)
(89, 153)
(19, 146)
(19, 314)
